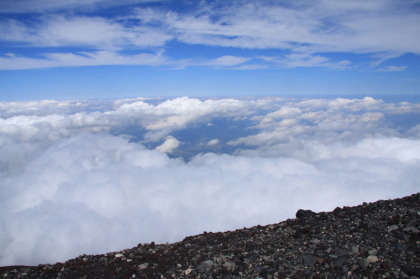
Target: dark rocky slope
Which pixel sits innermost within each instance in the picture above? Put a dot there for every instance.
(376, 240)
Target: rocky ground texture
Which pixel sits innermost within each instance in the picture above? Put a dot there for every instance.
(375, 240)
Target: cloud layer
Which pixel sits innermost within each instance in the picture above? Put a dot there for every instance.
(91, 177)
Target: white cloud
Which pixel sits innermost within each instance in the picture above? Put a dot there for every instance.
(77, 31)
(325, 121)
(80, 31)
(227, 60)
(24, 6)
(50, 119)
(305, 34)
(46, 121)
(95, 58)
(404, 150)
(43, 107)
(113, 194)
(213, 142)
(169, 145)
(316, 26)
(67, 170)
(96, 39)
(105, 57)
(307, 60)
(392, 69)
(13, 30)
(177, 113)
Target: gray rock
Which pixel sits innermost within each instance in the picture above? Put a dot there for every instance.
(353, 249)
(373, 252)
(205, 266)
(303, 214)
(340, 252)
(314, 241)
(309, 260)
(363, 263)
(230, 266)
(372, 259)
(392, 228)
(340, 261)
(404, 275)
(400, 247)
(411, 229)
(143, 266)
(347, 243)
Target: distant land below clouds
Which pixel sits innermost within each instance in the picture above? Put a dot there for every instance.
(93, 176)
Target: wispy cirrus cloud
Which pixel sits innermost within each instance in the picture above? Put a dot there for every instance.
(305, 33)
(81, 31)
(96, 58)
(392, 68)
(304, 27)
(23, 6)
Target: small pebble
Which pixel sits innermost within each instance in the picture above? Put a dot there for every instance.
(372, 259)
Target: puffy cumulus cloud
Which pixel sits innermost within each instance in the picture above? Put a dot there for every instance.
(169, 145)
(74, 173)
(40, 108)
(325, 121)
(43, 120)
(175, 114)
(269, 119)
(113, 194)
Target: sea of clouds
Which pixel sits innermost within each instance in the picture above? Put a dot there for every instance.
(102, 175)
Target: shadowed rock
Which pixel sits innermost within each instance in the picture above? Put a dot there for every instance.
(303, 214)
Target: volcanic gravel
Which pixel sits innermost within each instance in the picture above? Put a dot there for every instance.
(375, 240)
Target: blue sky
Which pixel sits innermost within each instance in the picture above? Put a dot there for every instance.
(110, 49)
